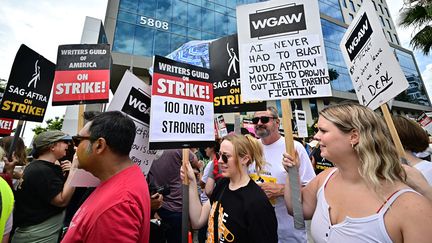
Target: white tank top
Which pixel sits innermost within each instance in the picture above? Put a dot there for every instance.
(365, 229)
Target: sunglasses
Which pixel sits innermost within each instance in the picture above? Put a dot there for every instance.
(264, 119)
(78, 139)
(224, 157)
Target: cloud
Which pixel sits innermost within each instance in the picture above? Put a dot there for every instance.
(42, 25)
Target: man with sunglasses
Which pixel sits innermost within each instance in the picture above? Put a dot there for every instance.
(118, 210)
(272, 179)
(43, 194)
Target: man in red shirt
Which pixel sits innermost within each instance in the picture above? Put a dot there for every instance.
(119, 208)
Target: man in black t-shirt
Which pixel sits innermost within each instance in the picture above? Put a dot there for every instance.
(43, 193)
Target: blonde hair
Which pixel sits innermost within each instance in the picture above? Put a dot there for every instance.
(247, 145)
(378, 157)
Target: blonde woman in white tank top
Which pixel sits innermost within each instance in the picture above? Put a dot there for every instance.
(365, 198)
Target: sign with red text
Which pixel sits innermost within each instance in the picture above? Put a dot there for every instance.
(29, 87)
(182, 106)
(6, 126)
(282, 52)
(375, 73)
(82, 75)
(133, 98)
(426, 122)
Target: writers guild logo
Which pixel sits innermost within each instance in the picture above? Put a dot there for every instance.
(232, 60)
(35, 76)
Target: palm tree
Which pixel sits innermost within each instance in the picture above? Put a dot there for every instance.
(418, 14)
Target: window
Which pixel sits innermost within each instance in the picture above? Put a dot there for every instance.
(390, 36)
(352, 6)
(382, 11)
(388, 23)
(387, 12)
(382, 20)
(395, 37)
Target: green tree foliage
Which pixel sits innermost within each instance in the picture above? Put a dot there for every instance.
(418, 14)
(52, 124)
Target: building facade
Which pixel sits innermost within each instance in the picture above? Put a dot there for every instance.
(139, 29)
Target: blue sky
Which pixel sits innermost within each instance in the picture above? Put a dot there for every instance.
(43, 25)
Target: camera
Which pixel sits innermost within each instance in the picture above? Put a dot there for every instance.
(163, 190)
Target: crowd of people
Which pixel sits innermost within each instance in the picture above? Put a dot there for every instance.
(354, 187)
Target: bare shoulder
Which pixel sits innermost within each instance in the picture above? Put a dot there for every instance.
(317, 182)
(411, 204)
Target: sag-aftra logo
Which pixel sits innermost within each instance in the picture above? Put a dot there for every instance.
(266, 23)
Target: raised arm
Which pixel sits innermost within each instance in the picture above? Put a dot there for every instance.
(198, 213)
(308, 192)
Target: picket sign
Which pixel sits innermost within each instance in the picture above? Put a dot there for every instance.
(393, 132)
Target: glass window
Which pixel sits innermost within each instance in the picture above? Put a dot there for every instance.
(390, 36)
(180, 16)
(194, 16)
(221, 24)
(130, 5)
(194, 34)
(177, 41)
(162, 43)
(147, 8)
(387, 12)
(388, 23)
(144, 39)
(164, 10)
(397, 40)
(352, 6)
(331, 8)
(314, 108)
(127, 17)
(123, 38)
(382, 20)
(208, 21)
(178, 29)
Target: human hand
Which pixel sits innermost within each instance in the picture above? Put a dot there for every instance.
(187, 171)
(156, 201)
(289, 161)
(65, 165)
(9, 165)
(272, 190)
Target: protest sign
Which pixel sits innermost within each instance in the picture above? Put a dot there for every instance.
(373, 68)
(224, 63)
(82, 75)
(300, 117)
(133, 98)
(182, 106)
(221, 126)
(6, 126)
(281, 51)
(426, 122)
(29, 86)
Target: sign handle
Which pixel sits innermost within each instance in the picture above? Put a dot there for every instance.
(393, 132)
(80, 117)
(185, 197)
(15, 139)
(237, 127)
(293, 174)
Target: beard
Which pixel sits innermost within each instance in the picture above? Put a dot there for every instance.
(262, 132)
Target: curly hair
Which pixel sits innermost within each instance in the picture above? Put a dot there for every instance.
(247, 145)
(377, 153)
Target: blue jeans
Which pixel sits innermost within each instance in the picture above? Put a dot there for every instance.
(174, 221)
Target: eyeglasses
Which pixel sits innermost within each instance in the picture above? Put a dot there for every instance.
(78, 139)
(224, 157)
(264, 119)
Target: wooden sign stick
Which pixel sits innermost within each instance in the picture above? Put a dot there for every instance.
(393, 133)
(185, 197)
(292, 171)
